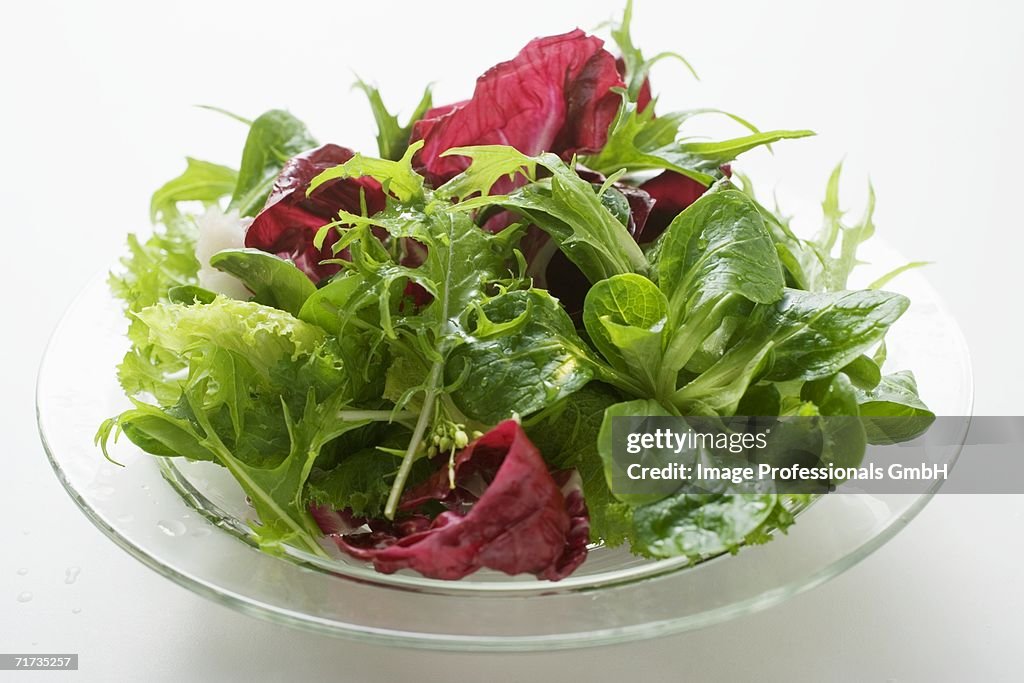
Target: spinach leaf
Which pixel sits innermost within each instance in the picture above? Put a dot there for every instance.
(843, 435)
(334, 304)
(804, 336)
(760, 400)
(190, 294)
(713, 253)
(521, 355)
(274, 138)
(864, 372)
(272, 280)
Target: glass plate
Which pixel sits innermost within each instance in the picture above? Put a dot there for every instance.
(189, 521)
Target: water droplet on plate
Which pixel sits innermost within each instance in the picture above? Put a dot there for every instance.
(71, 574)
(24, 597)
(125, 518)
(201, 532)
(76, 610)
(171, 527)
(103, 491)
(22, 571)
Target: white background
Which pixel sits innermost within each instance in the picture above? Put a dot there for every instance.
(923, 96)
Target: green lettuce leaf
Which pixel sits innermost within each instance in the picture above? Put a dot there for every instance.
(263, 395)
(202, 181)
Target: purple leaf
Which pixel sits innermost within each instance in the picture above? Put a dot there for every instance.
(506, 513)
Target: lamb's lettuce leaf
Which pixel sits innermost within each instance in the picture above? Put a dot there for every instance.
(626, 317)
(893, 410)
(698, 525)
(272, 280)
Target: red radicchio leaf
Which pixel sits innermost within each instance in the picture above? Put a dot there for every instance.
(520, 518)
(571, 485)
(335, 523)
(672, 192)
(554, 96)
(289, 221)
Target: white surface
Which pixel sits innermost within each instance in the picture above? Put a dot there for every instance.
(925, 96)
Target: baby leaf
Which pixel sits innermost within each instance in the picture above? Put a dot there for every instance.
(274, 138)
(522, 368)
(625, 317)
(272, 280)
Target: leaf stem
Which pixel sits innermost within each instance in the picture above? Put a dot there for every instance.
(375, 415)
(684, 342)
(414, 443)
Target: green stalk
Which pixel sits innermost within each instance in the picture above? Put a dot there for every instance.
(684, 344)
(429, 398)
(375, 415)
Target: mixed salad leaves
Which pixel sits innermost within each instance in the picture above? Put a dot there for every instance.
(419, 354)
